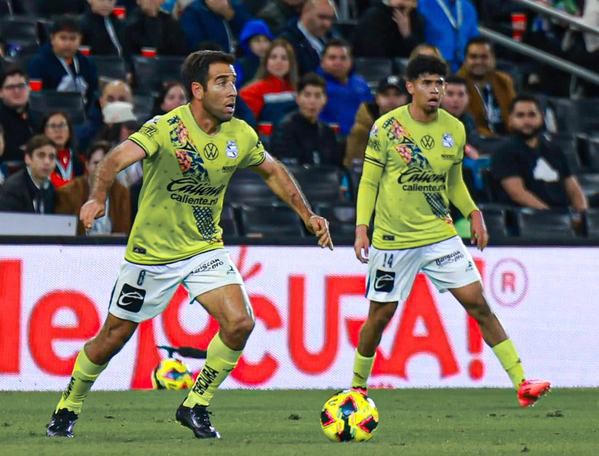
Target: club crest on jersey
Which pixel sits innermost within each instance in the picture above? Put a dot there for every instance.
(232, 151)
(374, 131)
(447, 140)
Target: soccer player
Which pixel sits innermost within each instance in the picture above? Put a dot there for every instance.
(414, 160)
(189, 157)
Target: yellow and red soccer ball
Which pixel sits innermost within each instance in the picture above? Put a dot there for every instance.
(349, 416)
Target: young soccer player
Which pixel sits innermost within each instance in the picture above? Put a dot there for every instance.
(414, 161)
(176, 237)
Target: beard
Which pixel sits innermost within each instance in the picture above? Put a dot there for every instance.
(529, 134)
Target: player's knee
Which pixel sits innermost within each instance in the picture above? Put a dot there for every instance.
(241, 328)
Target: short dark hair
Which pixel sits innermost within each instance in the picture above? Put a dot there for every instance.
(425, 64)
(197, 65)
(526, 98)
(66, 23)
(456, 80)
(46, 119)
(336, 42)
(106, 146)
(36, 142)
(12, 71)
(311, 79)
(480, 40)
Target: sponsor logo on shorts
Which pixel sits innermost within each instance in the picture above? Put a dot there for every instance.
(208, 266)
(131, 299)
(451, 258)
(470, 266)
(231, 270)
(384, 281)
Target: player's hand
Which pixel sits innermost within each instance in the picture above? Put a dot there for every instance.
(91, 211)
(478, 230)
(362, 243)
(320, 227)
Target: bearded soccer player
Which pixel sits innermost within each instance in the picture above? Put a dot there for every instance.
(414, 161)
(189, 156)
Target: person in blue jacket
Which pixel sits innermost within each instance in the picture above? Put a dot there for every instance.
(211, 20)
(255, 40)
(60, 66)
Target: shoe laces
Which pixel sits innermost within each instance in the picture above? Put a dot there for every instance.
(203, 415)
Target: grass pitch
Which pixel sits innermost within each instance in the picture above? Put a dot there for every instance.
(412, 422)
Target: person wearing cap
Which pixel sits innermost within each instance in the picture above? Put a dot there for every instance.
(150, 27)
(391, 93)
(102, 30)
(60, 66)
(391, 28)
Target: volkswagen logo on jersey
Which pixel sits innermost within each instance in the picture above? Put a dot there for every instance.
(428, 142)
(131, 299)
(384, 281)
(232, 151)
(447, 140)
(210, 151)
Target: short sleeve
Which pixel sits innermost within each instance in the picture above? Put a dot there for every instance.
(256, 154)
(376, 148)
(148, 137)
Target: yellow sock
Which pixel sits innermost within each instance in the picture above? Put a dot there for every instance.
(220, 361)
(362, 370)
(509, 359)
(83, 377)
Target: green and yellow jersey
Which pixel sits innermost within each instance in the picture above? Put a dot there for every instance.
(185, 176)
(417, 169)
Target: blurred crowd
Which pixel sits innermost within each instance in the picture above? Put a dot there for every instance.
(77, 77)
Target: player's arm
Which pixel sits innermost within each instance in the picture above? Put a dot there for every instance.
(460, 197)
(118, 159)
(282, 183)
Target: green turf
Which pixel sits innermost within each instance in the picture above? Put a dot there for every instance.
(413, 422)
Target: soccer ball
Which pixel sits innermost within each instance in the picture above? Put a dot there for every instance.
(171, 374)
(348, 416)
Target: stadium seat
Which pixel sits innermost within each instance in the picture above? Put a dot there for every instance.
(21, 61)
(593, 154)
(373, 69)
(510, 68)
(6, 8)
(247, 187)
(590, 186)
(347, 28)
(20, 35)
(354, 172)
(399, 65)
(544, 225)
(71, 103)
(151, 71)
(110, 67)
(496, 219)
(143, 106)
(342, 219)
(593, 224)
(271, 221)
(320, 184)
(577, 116)
(569, 144)
(489, 145)
(228, 222)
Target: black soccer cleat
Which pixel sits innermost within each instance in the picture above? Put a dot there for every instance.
(197, 420)
(62, 423)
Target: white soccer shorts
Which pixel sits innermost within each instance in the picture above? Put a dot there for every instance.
(391, 273)
(142, 291)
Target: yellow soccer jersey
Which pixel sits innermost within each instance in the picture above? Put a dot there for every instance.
(185, 176)
(417, 169)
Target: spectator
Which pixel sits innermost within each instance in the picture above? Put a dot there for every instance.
(391, 28)
(71, 197)
(346, 91)
(102, 30)
(425, 49)
(300, 135)
(112, 92)
(277, 75)
(391, 93)
(279, 13)
(30, 189)
(533, 171)
(455, 101)
(58, 128)
(491, 91)
(3, 167)
(449, 25)
(59, 66)
(255, 41)
(15, 115)
(308, 35)
(214, 20)
(172, 94)
(153, 28)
